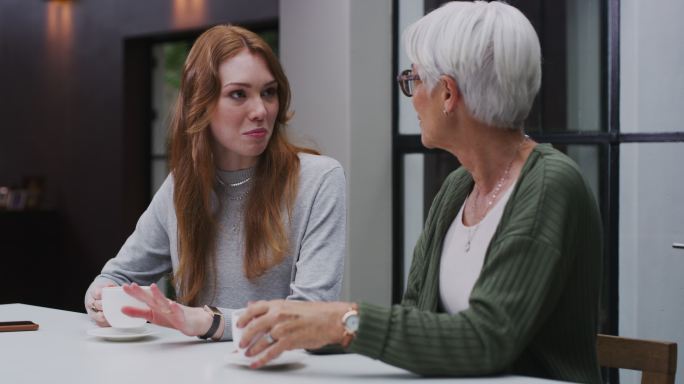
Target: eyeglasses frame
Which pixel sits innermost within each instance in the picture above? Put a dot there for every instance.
(405, 80)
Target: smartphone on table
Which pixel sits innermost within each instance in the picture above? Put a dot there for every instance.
(15, 326)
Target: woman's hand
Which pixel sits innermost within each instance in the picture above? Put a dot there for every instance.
(93, 303)
(167, 313)
(291, 325)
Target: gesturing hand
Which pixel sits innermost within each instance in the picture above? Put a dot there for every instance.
(291, 325)
(167, 313)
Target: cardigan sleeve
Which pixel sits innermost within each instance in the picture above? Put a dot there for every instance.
(505, 308)
(523, 277)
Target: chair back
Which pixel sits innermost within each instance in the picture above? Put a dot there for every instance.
(657, 360)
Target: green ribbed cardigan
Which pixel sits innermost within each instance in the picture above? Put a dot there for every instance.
(533, 309)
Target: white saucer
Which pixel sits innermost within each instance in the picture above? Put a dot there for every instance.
(285, 358)
(121, 334)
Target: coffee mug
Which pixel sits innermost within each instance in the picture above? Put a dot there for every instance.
(113, 299)
(237, 332)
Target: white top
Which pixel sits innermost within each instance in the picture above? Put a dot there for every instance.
(459, 269)
(61, 351)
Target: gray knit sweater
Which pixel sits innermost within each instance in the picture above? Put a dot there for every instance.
(313, 270)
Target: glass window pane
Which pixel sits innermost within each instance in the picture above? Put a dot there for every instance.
(423, 177)
(169, 58)
(583, 45)
(159, 106)
(413, 206)
(651, 212)
(166, 74)
(409, 11)
(570, 34)
(588, 159)
(651, 63)
(271, 38)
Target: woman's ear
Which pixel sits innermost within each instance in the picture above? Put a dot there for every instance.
(450, 93)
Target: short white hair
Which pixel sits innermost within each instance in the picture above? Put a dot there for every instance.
(490, 49)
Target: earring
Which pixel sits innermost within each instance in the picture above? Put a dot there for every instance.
(445, 113)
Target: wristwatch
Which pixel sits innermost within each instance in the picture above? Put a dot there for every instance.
(215, 321)
(350, 321)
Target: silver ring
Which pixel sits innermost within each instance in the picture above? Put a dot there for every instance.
(269, 338)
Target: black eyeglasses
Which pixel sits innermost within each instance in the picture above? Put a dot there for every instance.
(406, 81)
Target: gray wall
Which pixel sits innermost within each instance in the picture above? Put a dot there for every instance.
(337, 54)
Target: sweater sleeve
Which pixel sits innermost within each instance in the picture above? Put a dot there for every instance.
(320, 263)
(145, 256)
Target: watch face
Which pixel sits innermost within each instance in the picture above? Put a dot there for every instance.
(352, 323)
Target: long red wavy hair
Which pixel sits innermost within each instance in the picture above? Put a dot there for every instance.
(275, 178)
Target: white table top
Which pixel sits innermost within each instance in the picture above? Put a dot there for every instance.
(61, 352)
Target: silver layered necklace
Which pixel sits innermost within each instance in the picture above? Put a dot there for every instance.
(234, 185)
(227, 186)
(490, 201)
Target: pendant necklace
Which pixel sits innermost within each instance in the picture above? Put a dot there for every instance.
(237, 224)
(495, 193)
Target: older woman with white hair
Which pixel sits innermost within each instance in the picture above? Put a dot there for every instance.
(506, 274)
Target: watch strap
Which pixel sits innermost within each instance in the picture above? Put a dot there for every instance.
(215, 321)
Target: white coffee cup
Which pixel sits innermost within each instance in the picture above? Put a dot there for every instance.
(237, 332)
(113, 299)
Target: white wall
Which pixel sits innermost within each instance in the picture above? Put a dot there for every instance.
(337, 55)
(651, 291)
